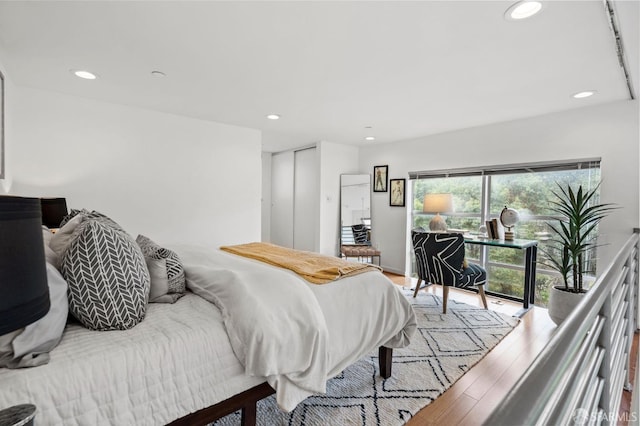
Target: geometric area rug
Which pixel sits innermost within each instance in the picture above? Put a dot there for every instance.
(442, 350)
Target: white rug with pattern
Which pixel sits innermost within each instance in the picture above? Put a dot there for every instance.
(445, 347)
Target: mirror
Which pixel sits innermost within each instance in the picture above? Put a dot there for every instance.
(355, 209)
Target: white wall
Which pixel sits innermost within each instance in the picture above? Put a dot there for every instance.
(266, 198)
(608, 131)
(172, 178)
(335, 159)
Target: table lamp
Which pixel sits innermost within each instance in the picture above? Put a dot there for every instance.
(24, 292)
(53, 211)
(436, 204)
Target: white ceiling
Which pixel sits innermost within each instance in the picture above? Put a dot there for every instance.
(407, 69)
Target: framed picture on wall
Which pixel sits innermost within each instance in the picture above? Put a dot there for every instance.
(380, 178)
(396, 195)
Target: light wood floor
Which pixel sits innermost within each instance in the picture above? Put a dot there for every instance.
(472, 398)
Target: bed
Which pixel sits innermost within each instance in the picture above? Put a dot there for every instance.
(187, 362)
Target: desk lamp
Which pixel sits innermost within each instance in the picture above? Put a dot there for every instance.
(436, 204)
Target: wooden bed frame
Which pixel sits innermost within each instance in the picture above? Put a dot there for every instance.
(246, 401)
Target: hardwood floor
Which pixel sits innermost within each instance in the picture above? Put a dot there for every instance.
(625, 406)
(471, 399)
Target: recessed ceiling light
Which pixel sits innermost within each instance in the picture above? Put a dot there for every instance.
(158, 74)
(273, 116)
(370, 138)
(584, 94)
(84, 74)
(523, 9)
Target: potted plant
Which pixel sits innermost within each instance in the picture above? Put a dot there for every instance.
(574, 236)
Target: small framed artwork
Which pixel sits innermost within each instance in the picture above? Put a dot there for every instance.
(396, 196)
(380, 178)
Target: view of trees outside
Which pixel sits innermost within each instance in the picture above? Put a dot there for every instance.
(528, 193)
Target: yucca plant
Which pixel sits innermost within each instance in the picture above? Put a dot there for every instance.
(575, 232)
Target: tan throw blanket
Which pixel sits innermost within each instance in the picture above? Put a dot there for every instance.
(313, 267)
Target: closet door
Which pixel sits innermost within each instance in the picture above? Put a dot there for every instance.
(306, 189)
(282, 199)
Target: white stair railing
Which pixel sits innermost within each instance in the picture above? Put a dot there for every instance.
(578, 378)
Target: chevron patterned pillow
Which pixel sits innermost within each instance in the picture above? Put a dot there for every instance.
(72, 224)
(86, 214)
(165, 269)
(107, 276)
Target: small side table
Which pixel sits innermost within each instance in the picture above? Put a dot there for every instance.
(18, 415)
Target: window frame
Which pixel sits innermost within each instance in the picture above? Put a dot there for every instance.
(485, 203)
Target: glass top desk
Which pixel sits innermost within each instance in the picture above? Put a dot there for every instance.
(530, 248)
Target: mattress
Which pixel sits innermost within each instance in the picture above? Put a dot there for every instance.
(94, 377)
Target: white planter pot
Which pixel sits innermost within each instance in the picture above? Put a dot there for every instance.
(562, 303)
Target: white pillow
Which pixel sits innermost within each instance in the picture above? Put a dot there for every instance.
(50, 255)
(31, 347)
(44, 334)
(63, 237)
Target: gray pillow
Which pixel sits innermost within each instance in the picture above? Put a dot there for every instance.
(168, 283)
(107, 276)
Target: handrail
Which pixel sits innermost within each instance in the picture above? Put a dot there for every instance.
(563, 385)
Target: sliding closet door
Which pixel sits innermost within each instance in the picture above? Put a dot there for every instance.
(282, 199)
(306, 200)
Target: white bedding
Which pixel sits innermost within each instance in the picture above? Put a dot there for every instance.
(179, 359)
(96, 377)
(294, 333)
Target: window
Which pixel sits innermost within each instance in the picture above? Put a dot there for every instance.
(480, 194)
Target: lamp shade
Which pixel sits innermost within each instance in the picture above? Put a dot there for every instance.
(24, 293)
(437, 203)
(53, 211)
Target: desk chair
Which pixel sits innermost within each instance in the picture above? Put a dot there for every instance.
(440, 260)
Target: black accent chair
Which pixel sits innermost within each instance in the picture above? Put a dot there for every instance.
(360, 234)
(440, 260)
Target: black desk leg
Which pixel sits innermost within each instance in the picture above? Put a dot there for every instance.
(534, 260)
(530, 258)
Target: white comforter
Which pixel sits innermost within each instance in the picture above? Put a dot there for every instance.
(179, 359)
(294, 333)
